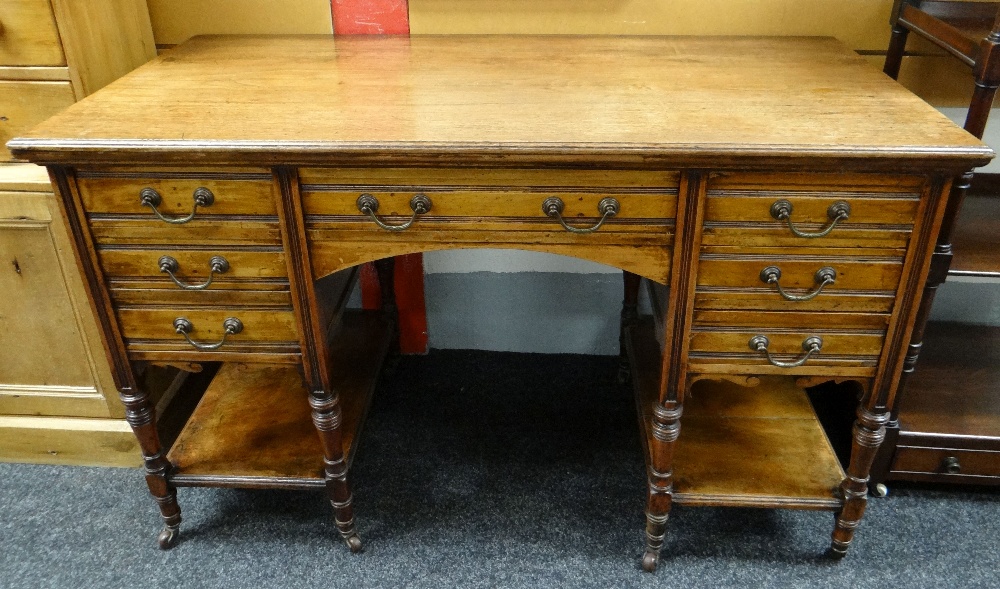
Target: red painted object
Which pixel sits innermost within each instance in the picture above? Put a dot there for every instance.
(371, 17)
(388, 17)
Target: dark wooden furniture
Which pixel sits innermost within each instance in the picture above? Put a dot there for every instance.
(788, 215)
(945, 427)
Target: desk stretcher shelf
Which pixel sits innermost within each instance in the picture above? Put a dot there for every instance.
(253, 427)
(740, 446)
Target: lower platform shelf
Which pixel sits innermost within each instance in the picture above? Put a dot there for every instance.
(760, 446)
(253, 427)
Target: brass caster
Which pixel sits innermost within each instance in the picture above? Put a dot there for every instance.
(354, 543)
(168, 538)
(649, 561)
(880, 491)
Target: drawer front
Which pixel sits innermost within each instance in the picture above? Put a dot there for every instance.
(150, 325)
(28, 34)
(121, 193)
(947, 462)
(193, 267)
(26, 104)
(742, 282)
(785, 345)
(767, 210)
(494, 200)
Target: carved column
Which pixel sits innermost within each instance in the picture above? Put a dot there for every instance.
(325, 403)
(139, 412)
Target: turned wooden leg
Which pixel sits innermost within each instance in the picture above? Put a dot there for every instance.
(140, 414)
(869, 432)
(666, 429)
(327, 417)
(629, 315)
(894, 55)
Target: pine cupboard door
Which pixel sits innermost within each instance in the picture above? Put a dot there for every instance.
(50, 362)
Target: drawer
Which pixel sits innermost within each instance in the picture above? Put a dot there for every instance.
(493, 200)
(947, 462)
(751, 210)
(28, 34)
(741, 282)
(26, 104)
(732, 345)
(237, 194)
(156, 324)
(193, 267)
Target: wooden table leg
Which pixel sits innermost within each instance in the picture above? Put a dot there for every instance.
(141, 415)
(869, 432)
(666, 429)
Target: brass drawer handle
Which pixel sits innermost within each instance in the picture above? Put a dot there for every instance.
(232, 326)
(149, 197)
(368, 205)
(824, 276)
(839, 211)
(812, 345)
(553, 207)
(217, 265)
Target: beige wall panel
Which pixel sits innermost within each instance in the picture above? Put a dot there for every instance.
(862, 24)
(174, 21)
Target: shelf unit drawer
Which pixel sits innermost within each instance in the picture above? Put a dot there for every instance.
(943, 463)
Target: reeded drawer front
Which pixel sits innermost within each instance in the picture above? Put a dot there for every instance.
(811, 210)
(135, 230)
(785, 281)
(174, 194)
(786, 346)
(193, 268)
(493, 199)
(208, 327)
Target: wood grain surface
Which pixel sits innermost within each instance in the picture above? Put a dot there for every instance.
(533, 97)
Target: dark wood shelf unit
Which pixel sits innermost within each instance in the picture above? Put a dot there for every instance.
(975, 241)
(253, 427)
(952, 408)
(740, 446)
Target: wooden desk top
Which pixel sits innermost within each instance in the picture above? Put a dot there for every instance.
(503, 99)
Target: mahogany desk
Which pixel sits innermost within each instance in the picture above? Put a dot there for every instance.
(783, 195)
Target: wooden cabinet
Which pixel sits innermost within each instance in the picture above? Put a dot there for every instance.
(58, 402)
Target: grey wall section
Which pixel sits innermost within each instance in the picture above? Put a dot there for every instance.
(545, 312)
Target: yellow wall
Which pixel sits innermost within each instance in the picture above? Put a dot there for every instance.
(862, 24)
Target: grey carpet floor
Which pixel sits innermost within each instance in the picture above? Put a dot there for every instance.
(479, 470)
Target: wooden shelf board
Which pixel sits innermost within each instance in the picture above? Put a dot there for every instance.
(253, 427)
(741, 446)
(955, 390)
(976, 243)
